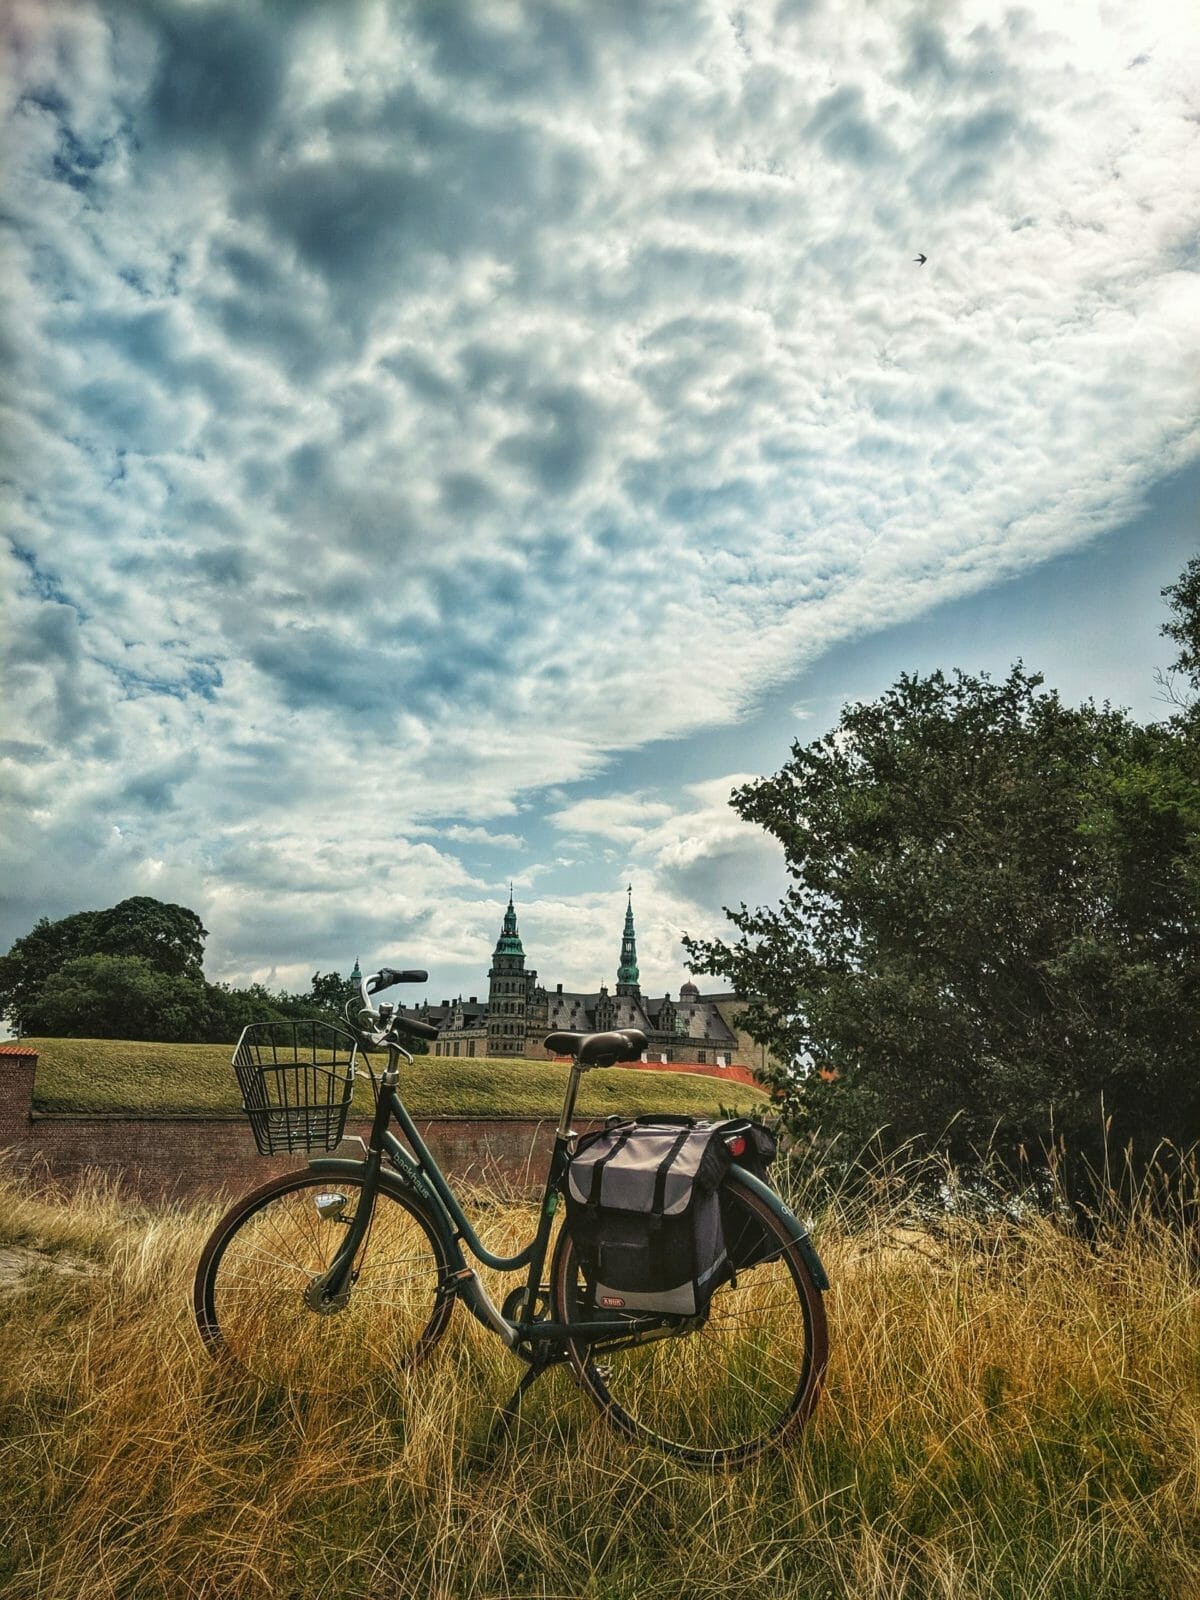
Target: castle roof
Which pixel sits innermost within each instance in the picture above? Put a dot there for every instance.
(509, 942)
(627, 971)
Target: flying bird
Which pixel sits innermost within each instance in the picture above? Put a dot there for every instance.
(920, 260)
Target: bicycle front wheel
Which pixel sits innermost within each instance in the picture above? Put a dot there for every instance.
(250, 1295)
(746, 1379)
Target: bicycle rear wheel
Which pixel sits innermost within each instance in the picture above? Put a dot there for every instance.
(746, 1379)
(249, 1293)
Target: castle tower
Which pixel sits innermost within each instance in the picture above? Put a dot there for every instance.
(508, 990)
(627, 972)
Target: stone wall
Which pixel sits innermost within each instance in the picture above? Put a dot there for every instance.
(191, 1157)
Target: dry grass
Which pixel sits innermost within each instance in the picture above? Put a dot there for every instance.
(1009, 1414)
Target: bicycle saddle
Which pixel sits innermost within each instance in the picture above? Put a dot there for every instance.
(598, 1049)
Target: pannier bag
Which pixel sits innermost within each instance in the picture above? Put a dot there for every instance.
(645, 1214)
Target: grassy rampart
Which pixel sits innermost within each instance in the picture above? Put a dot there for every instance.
(99, 1075)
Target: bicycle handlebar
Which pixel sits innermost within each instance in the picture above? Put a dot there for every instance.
(381, 1024)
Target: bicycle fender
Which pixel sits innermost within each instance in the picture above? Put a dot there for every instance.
(404, 1181)
(801, 1237)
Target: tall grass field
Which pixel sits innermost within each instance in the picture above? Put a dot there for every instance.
(1009, 1413)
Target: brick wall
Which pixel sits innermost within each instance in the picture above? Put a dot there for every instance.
(192, 1157)
(17, 1068)
(183, 1158)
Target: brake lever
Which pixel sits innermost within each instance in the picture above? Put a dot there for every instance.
(379, 1028)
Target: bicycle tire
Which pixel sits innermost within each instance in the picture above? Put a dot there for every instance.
(747, 1379)
(249, 1290)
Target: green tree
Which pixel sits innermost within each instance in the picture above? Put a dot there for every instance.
(1183, 598)
(230, 1010)
(100, 996)
(328, 995)
(36, 958)
(991, 934)
(169, 937)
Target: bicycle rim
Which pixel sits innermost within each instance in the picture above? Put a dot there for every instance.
(745, 1380)
(249, 1295)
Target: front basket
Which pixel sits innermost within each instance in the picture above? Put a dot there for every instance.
(296, 1080)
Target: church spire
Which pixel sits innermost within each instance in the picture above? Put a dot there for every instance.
(627, 972)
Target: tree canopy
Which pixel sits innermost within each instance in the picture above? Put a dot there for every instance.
(135, 971)
(121, 997)
(169, 938)
(992, 929)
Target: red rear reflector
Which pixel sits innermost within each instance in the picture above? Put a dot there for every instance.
(737, 1146)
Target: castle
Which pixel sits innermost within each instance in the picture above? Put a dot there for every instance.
(519, 1012)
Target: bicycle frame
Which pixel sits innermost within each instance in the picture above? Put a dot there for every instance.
(416, 1171)
(419, 1174)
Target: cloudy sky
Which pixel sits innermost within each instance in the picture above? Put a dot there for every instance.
(448, 443)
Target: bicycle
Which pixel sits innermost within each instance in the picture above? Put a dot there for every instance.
(354, 1265)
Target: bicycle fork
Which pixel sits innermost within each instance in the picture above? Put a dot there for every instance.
(330, 1290)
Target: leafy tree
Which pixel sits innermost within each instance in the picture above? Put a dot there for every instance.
(1183, 597)
(100, 996)
(992, 930)
(36, 958)
(169, 937)
(230, 1010)
(328, 995)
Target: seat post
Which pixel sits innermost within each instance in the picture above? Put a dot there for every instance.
(568, 1110)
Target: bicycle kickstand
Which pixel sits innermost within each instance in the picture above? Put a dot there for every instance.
(509, 1414)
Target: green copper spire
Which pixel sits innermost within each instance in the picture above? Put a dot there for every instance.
(627, 972)
(509, 942)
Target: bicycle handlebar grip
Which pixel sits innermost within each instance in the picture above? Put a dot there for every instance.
(420, 1030)
(387, 976)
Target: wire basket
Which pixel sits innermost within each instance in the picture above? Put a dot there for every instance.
(296, 1079)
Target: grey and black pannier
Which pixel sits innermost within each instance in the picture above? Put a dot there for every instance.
(644, 1210)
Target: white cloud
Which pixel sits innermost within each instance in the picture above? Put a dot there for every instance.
(624, 818)
(414, 406)
(685, 860)
(498, 841)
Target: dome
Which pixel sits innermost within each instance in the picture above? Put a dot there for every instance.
(689, 991)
